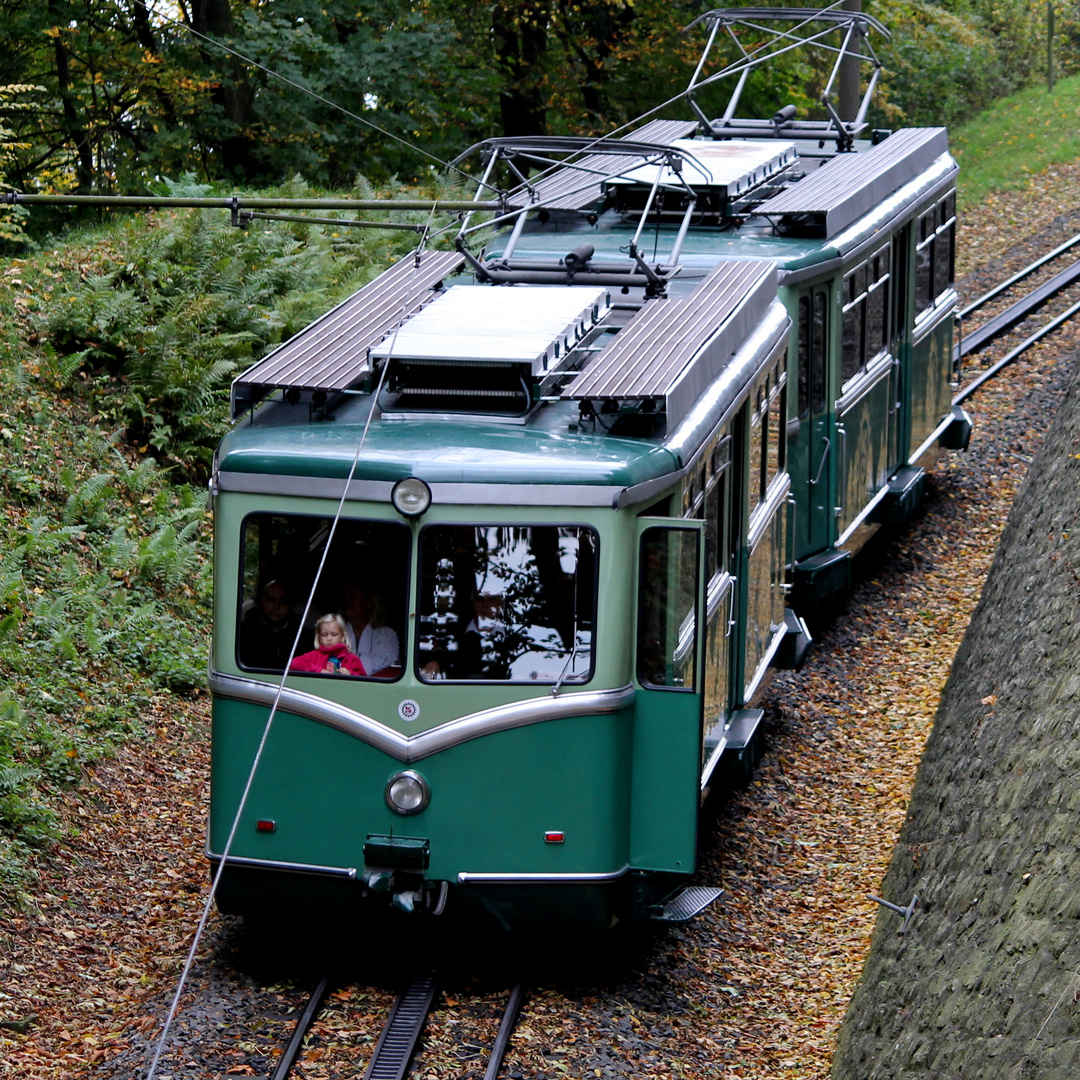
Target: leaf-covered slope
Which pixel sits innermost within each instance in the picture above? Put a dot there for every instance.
(116, 351)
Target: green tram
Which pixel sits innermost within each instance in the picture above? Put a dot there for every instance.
(568, 491)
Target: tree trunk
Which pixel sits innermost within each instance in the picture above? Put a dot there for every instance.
(234, 94)
(848, 96)
(520, 34)
(73, 121)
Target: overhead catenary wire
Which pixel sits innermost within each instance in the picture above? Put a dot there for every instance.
(226, 850)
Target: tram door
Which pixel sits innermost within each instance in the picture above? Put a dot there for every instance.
(814, 454)
(669, 679)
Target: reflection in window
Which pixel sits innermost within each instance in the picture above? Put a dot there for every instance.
(510, 603)
(364, 581)
(667, 608)
(935, 253)
(863, 330)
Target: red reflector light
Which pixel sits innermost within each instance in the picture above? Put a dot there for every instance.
(554, 837)
(265, 825)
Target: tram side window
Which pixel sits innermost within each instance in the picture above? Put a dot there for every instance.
(935, 253)
(507, 603)
(364, 580)
(667, 608)
(811, 355)
(776, 424)
(759, 431)
(864, 330)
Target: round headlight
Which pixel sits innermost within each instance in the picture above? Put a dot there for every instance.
(411, 496)
(407, 793)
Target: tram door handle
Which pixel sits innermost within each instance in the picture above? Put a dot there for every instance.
(730, 609)
(821, 463)
(842, 432)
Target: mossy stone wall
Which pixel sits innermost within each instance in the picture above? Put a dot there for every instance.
(986, 981)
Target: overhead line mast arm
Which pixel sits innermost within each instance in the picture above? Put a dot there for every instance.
(237, 202)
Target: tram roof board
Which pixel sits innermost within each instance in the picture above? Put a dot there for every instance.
(519, 324)
(332, 353)
(732, 167)
(579, 184)
(850, 185)
(673, 349)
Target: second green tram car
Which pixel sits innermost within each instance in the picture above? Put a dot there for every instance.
(568, 494)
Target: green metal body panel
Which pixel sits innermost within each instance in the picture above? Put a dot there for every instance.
(493, 798)
(549, 449)
(930, 371)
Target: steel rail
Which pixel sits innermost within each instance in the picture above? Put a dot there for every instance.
(288, 1058)
(1018, 311)
(1004, 362)
(1019, 276)
(506, 1029)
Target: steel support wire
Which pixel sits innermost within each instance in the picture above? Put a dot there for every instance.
(1004, 362)
(175, 1004)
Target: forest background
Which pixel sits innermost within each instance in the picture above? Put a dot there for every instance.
(118, 339)
(115, 95)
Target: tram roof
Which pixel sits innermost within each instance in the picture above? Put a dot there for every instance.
(550, 448)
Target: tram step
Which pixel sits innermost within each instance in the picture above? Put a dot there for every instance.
(744, 723)
(687, 903)
(795, 645)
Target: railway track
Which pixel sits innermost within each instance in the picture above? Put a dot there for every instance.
(1049, 285)
(401, 1033)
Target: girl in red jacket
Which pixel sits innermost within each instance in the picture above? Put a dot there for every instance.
(331, 655)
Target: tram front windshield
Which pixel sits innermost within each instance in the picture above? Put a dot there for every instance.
(493, 603)
(363, 583)
(507, 603)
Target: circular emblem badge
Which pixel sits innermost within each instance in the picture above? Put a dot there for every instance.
(408, 709)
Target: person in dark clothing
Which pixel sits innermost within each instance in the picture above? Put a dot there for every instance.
(268, 630)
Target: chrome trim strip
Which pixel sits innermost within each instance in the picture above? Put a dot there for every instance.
(861, 516)
(409, 748)
(766, 512)
(764, 664)
(378, 491)
(710, 765)
(292, 868)
(929, 320)
(869, 380)
(717, 593)
(468, 877)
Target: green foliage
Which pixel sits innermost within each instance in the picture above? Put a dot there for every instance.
(115, 356)
(13, 101)
(104, 586)
(1016, 138)
(169, 308)
(948, 61)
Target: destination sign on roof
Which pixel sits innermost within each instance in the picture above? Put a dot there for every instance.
(519, 324)
(733, 166)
